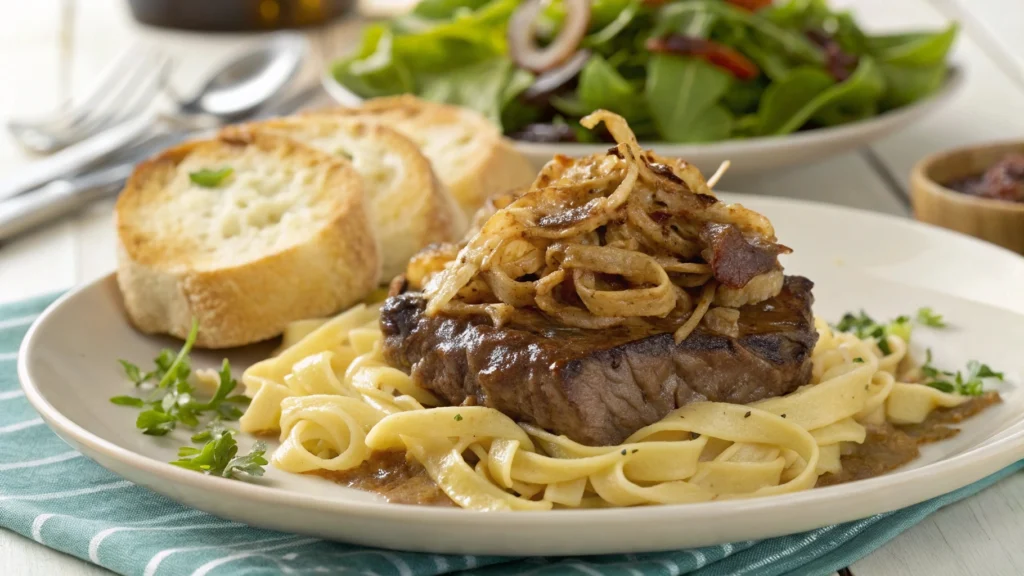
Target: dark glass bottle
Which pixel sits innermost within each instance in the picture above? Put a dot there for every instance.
(237, 15)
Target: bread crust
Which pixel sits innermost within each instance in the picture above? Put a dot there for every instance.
(493, 167)
(166, 284)
(414, 212)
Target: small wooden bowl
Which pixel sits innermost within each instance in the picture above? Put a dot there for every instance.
(996, 221)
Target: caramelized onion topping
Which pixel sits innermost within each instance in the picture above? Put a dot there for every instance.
(602, 240)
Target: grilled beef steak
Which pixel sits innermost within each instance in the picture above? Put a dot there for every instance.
(599, 386)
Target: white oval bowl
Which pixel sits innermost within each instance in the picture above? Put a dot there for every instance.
(749, 155)
(885, 265)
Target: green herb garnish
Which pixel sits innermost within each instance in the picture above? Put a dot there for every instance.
(128, 401)
(927, 317)
(864, 326)
(970, 384)
(218, 457)
(170, 400)
(215, 429)
(458, 417)
(210, 178)
(858, 360)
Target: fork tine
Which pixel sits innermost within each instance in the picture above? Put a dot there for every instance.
(140, 77)
(98, 104)
(111, 106)
(51, 134)
(131, 105)
(97, 91)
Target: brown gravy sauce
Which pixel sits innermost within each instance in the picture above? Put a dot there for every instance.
(888, 447)
(402, 480)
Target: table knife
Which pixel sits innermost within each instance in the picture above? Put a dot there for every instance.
(26, 211)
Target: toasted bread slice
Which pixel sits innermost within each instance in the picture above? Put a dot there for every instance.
(467, 151)
(285, 236)
(409, 206)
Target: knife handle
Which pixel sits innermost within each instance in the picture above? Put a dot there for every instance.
(54, 200)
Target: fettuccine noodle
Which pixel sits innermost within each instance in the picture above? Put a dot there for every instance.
(334, 400)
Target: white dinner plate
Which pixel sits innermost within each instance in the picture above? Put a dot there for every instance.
(885, 265)
(750, 155)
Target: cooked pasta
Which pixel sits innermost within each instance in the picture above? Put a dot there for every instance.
(334, 401)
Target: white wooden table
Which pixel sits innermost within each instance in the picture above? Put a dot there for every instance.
(50, 49)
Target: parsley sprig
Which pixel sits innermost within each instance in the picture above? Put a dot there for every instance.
(219, 457)
(969, 383)
(927, 317)
(865, 326)
(169, 400)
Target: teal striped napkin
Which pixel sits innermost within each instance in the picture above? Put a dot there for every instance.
(54, 495)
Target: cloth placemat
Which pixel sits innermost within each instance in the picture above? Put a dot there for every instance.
(54, 495)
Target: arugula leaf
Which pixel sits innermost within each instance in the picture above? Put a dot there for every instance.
(483, 86)
(441, 9)
(790, 102)
(467, 38)
(608, 33)
(792, 42)
(815, 15)
(601, 86)
(775, 65)
(908, 84)
(927, 317)
(811, 93)
(211, 178)
(914, 50)
(682, 95)
(444, 50)
(743, 97)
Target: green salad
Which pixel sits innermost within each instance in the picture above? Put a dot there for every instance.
(678, 71)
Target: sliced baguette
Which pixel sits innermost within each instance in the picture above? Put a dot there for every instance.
(467, 151)
(286, 236)
(409, 206)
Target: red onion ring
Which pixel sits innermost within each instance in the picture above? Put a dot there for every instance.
(522, 43)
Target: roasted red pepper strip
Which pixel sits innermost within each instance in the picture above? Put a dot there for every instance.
(752, 5)
(714, 53)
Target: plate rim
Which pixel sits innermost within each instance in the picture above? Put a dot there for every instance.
(975, 462)
(952, 85)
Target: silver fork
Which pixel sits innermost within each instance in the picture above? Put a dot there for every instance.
(124, 90)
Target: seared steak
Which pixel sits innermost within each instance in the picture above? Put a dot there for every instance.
(599, 386)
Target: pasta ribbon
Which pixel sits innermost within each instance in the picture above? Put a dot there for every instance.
(335, 401)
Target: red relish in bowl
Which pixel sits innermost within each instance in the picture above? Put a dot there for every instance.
(1003, 181)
